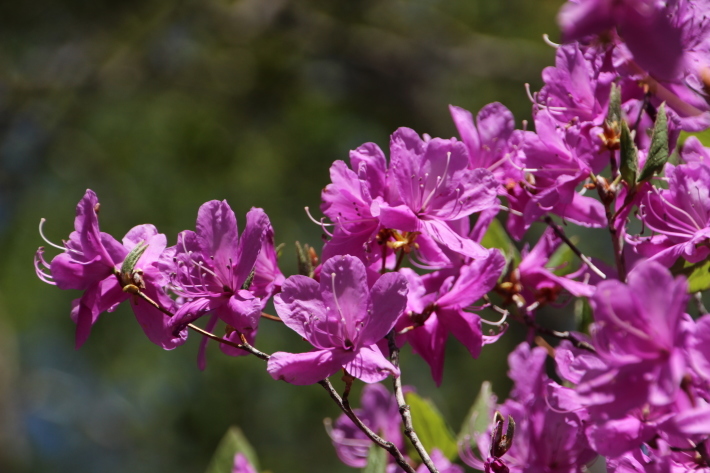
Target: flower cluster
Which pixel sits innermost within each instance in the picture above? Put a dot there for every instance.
(415, 252)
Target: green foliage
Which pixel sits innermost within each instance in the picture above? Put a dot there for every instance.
(698, 274)
(563, 259)
(658, 153)
(376, 460)
(497, 237)
(132, 258)
(613, 117)
(477, 419)
(232, 443)
(430, 427)
(629, 156)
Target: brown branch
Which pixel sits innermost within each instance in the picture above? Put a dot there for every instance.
(560, 233)
(271, 317)
(404, 410)
(344, 405)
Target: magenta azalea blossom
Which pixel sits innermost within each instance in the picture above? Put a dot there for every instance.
(644, 25)
(347, 201)
(492, 142)
(537, 282)
(434, 313)
(343, 318)
(546, 439)
(679, 215)
(92, 262)
(435, 185)
(210, 267)
(640, 333)
(557, 160)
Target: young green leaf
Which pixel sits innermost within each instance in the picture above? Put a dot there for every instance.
(478, 417)
(232, 443)
(658, 152)
(613, 116)
(698, 274)
(497, 237)
(129, 264)
(431, 427)
(629, 157)
(376, 460)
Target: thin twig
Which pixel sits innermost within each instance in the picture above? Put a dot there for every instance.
(404, 408)
(382, 443)
(243, 346)
(214, 337)
(343, 404)
(246, 346)
(271, 317)
(560, 233)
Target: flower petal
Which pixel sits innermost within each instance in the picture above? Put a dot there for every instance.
(307, 368)
(389, 298)
(298, 303)
(370, 365)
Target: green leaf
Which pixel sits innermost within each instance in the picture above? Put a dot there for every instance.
(376, 460)
(430, 427)
(629, 157)
(497, 237)
(698, 274)
(563, 259)
(478, 417)
(658, 152)
(232, 443)
(613, 116)
(129, 264)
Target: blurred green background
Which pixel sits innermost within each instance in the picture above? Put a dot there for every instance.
(160, 106)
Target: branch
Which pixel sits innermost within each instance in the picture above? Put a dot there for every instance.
(404, 408)
(343, 404)
(382, 443)
(560, 233)
(243, 346)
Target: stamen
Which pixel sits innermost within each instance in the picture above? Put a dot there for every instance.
(40, 267)
(498, 323)
(547, 41)
(530, 95)
(508, 209)
(317, 222)
(439, 180)
(41, 234)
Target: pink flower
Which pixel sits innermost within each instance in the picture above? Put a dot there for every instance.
(92, 262)
(343, 318)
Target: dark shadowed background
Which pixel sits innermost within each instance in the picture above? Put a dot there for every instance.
(159, 106)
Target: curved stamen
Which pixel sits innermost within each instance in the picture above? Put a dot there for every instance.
(41, 234)
(320, 222)
(498, 323)
(41, 266)
(530, 94)
(439, 181)
(682, 212)
(549, 42)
